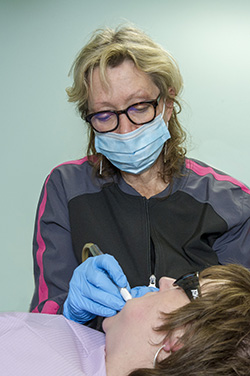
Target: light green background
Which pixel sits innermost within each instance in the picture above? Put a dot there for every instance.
(40, 129)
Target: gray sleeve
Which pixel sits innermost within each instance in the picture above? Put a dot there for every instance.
(53, 256)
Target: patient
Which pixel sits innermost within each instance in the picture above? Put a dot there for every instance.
(207, 336)
(161, 333)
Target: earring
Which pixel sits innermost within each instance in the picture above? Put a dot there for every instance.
(100, 167)
(165, 153)
(156, 355)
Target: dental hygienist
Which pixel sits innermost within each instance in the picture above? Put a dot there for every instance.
(136, 195)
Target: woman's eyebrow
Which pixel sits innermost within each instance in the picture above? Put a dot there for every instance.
(142, 94)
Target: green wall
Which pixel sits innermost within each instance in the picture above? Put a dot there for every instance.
(40, 129)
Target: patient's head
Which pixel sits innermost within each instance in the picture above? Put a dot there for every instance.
(207, 336)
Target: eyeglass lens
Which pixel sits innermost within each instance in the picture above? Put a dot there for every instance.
(139, 113)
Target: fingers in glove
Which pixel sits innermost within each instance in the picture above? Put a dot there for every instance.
(111, 266)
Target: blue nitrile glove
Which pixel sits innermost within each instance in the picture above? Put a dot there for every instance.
(93, 291)
(139, 291)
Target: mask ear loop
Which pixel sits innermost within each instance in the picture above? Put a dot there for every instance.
(163, 110)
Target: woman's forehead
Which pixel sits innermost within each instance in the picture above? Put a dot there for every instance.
(125, 74)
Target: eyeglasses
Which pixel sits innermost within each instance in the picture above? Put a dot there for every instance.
(138, 113)
(190, 284)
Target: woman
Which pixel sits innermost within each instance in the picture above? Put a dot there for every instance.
(161, 333)
(136, 195)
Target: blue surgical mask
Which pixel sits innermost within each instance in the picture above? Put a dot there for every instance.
(136, 151)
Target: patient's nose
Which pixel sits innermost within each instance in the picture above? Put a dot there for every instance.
(166, 283)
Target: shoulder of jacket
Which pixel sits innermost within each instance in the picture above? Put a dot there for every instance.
(214, 176)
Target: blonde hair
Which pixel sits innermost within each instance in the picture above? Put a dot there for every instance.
(109, 48)
(216, 341)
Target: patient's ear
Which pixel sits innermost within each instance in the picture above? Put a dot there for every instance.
(174, 343)
(170, 345)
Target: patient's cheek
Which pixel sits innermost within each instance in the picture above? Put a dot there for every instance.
(136, 311)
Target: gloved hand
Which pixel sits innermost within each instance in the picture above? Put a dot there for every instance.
(139, 291)
(93, 290)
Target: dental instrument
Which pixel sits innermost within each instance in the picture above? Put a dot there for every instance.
(91, 249)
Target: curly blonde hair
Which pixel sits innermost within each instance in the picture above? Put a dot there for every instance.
(216, 341)
(109, 48)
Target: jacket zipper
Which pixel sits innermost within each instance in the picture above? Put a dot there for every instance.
(152, 281)
(152, 278)
(151, 250)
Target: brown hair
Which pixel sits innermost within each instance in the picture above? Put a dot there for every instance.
(216, 341)
(109, 47)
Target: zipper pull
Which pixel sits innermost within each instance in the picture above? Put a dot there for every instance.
(152, 281)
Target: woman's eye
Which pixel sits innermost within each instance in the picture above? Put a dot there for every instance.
(142, 107)
(104, 116)
(139, 109)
